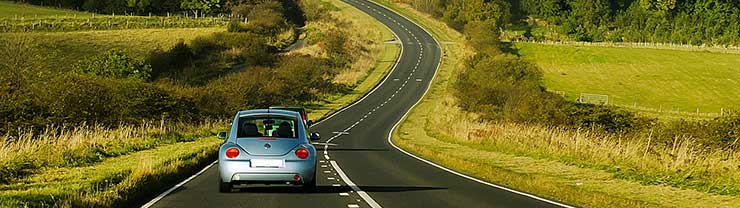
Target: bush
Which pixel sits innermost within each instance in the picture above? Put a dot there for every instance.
(116, 64)
(212, 56)
(506, 87)
(170, 63)
(719, 133)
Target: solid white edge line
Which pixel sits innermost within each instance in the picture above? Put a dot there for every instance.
(390, 134)
(161, 196)
(369, 200)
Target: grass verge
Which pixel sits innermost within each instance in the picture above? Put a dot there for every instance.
(484, 150)
(114, 182)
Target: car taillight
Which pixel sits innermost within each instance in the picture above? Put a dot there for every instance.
(232, 152)
(301, 153)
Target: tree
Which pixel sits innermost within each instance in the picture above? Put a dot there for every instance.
(202, 6)
(139, 5)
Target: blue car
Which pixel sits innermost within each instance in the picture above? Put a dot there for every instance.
(267, 147)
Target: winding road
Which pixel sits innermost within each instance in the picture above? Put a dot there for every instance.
(359, 167)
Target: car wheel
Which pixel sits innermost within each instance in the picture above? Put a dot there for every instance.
(310, 185)
(224, 187)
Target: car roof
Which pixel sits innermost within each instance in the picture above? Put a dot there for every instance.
(287, 106)
(269, 112)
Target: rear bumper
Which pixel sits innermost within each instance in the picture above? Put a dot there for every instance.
(239, 171)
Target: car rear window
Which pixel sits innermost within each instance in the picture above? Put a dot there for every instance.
(267, 126)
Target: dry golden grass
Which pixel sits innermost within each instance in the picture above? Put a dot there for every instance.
(85, 145)
(95, 166)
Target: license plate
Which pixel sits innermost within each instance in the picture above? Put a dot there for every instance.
(262, 163)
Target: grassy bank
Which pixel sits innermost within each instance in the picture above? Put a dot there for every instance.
(647, 80)
(96, 167)
(372, 64)
(576, 167)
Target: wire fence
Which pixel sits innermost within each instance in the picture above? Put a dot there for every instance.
(64, 23)
(661, 110)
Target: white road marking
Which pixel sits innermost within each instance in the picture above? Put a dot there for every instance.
(161, 196)
(329, 178)
(390, 141)
(343, 194)
(369, 200)
(353, 205)
(335, 185)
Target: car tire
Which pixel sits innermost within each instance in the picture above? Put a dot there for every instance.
(310, 185)
(224, 187)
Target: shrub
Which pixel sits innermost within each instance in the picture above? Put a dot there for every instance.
(506, 87)
(116, 64)
(170, 63)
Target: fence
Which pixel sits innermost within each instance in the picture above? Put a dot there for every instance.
(105, 22)
(660, 111)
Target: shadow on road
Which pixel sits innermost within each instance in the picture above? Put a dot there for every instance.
(332, 189)
(334, 149)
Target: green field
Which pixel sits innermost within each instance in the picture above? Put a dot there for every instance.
(67, 48)
(12, 10)
(645, 79)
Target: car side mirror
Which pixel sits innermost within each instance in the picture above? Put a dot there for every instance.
(315, 136)
(222, 135)
(310, 122)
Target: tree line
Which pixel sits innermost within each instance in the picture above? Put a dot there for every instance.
(695, 22)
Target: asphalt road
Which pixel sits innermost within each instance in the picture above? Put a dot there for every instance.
(361, 168)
